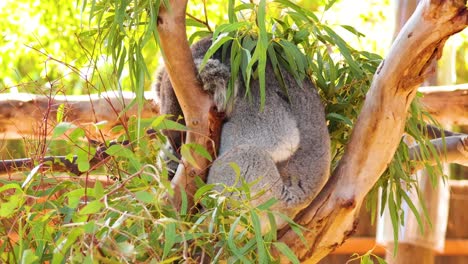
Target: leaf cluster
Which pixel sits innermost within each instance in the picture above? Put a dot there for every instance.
(395, 188)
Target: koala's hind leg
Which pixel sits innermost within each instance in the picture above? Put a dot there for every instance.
(255, 164)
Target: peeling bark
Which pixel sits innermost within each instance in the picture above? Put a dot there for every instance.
(378, 130)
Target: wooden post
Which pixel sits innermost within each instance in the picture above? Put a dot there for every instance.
(409, 254)
(414, 245)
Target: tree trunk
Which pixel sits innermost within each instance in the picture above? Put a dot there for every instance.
(412, 243)
(201, 118)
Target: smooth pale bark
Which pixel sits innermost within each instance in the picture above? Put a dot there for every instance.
(411, 240)
(405, 9)
(332, 216)
(200, 115)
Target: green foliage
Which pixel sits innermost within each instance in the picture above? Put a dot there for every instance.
(129, 220)
(30, 33)
(295, 40)
(367, 258)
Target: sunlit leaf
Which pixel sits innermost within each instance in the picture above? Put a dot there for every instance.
(144, 196)
(61, 128)
(285, 250)
(186, 153)
(92, 208)
(170, 233)
(60, 112)
(161, 122)
(31, 174)
(262, 257)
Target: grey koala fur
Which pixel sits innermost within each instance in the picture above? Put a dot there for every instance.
(286, 146)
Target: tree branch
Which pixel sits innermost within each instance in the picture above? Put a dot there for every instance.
(331, 218)
(453, 149)
(55, 163)
(434, 132)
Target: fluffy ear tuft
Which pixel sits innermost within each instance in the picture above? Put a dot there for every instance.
(215, 77)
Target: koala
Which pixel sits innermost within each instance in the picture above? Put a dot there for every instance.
(285, 146)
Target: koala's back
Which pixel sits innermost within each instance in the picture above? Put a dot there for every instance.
(292, 129)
